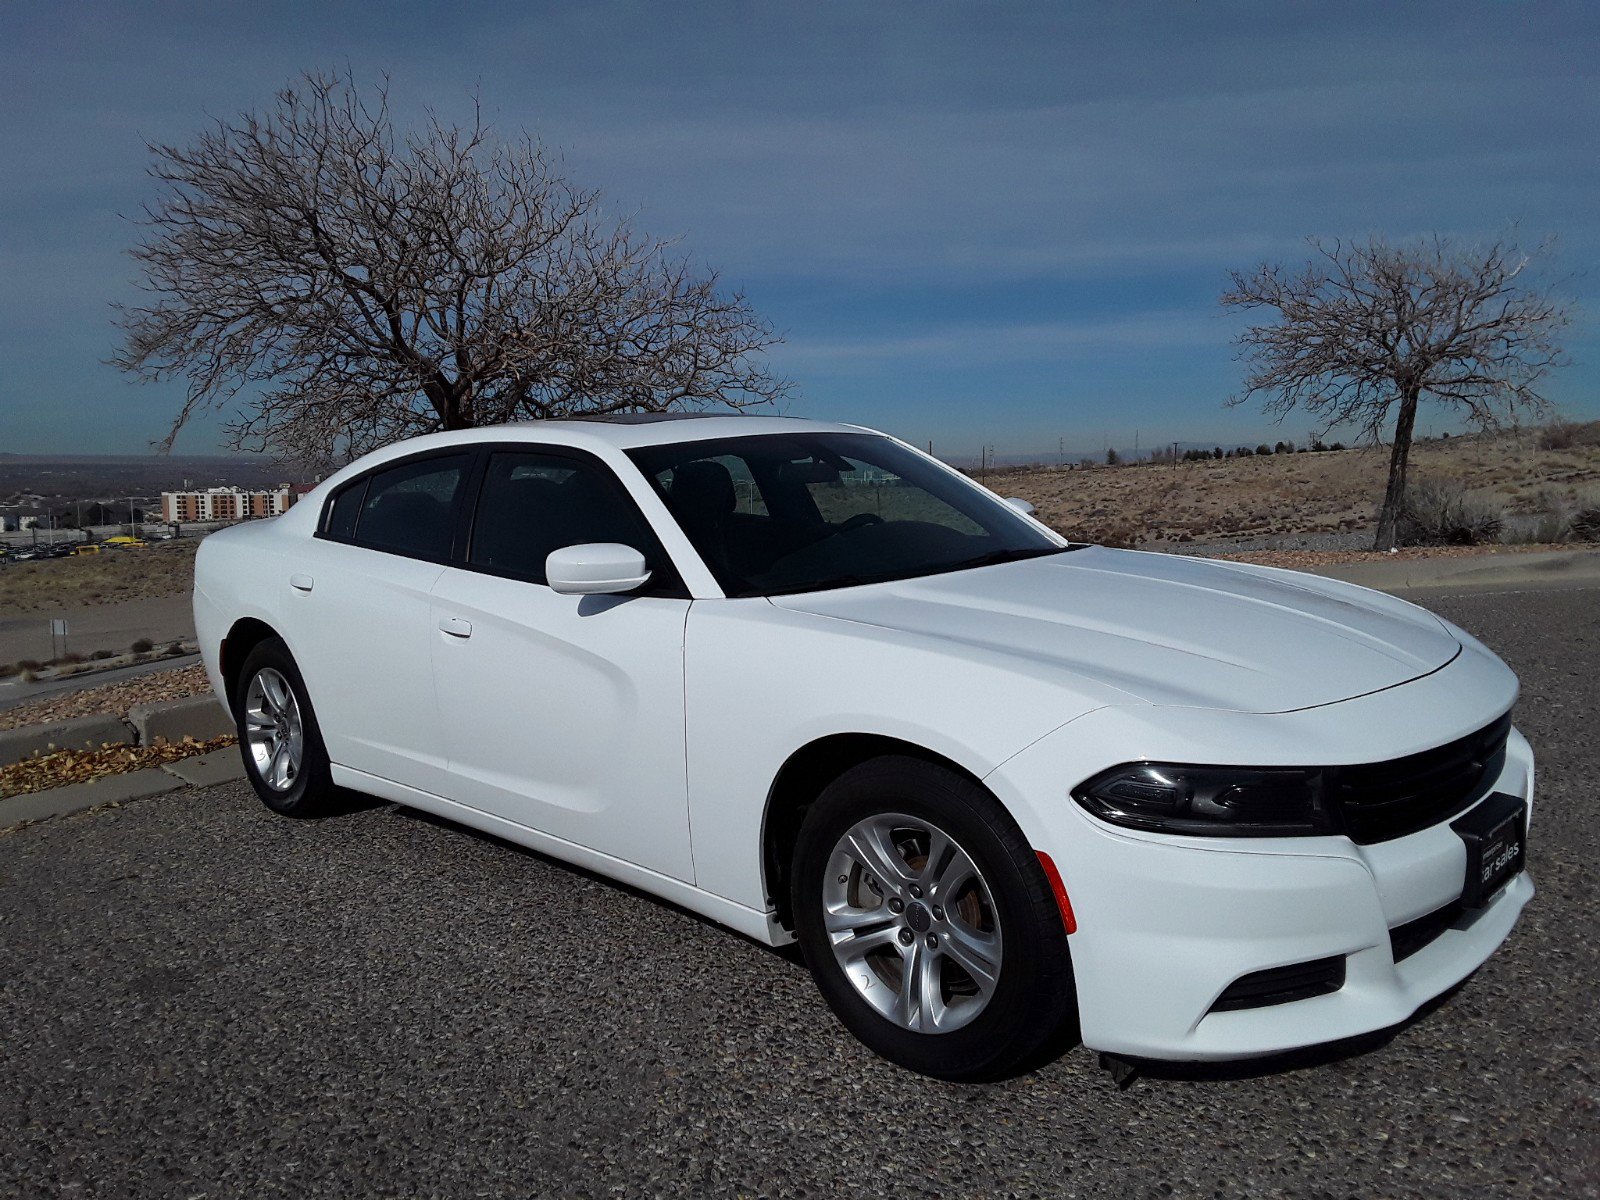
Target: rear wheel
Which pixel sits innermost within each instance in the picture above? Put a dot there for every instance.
(929, 925)
(279, 738)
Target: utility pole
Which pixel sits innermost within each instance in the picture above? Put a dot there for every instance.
(1174, 453)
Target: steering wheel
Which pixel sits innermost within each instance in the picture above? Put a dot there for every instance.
(858, 521)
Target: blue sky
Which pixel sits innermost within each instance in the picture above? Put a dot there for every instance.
(975, 223)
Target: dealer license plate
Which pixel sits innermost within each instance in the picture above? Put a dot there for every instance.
(1495, 833)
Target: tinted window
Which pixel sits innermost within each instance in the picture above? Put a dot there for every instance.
(829, 510)
(534, 503)
(410, 509)
(344, 510)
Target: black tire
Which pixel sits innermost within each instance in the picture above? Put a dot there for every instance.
(1031, 1013)
(311, 791)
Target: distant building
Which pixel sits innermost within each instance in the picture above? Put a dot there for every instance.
(14, 519)
(226, 504)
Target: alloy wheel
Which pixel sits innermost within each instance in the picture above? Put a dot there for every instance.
(273, 729)
(912, 923)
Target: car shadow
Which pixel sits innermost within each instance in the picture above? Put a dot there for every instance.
(1124, 1071)
(789, 953)
(344, 803)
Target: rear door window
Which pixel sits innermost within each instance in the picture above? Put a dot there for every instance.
(410, 509)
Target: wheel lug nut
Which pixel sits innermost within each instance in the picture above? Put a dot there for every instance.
(907, 937)
(896, 905)
(933, 941)
(938, 913)
(916, 891)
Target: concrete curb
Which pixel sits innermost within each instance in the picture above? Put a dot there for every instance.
(76, 733)
(199, 717)
(75, 797)
(203, 770)
(208, 770)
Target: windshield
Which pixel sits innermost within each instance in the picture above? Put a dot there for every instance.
(804, 511)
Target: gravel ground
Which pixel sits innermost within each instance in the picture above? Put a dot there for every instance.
(199, 999)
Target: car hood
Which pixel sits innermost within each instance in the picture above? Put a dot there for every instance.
(1162, 628)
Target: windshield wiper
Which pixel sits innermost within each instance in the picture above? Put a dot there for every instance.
(995, 557)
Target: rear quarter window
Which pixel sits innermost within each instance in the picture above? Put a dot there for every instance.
(342, 512)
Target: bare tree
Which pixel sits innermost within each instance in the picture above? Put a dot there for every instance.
(1364, 330)
(340, 285)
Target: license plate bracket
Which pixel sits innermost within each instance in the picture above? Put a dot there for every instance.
(1496, 837)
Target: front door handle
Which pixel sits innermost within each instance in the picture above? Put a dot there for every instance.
(455, 627)
(301, 583)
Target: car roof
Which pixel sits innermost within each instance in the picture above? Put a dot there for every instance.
(626, 432)
(630, 430)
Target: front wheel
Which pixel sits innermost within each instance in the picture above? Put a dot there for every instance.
(279, 738)
(929, 924)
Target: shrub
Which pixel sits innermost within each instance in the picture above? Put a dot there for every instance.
(1564, 435)
(28, 664)
(1585, 524)
(1444, 514)
(142, 646)
(1264, 449)
(1547, 527)
(1552, 523)
(8, 669)
(100, 654)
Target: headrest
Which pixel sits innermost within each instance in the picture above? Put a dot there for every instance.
(702, 491)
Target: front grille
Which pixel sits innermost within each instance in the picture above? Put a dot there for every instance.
(1379, 801)
(1405, 940)
(1282, 985)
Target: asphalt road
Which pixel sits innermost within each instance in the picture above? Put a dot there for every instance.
(200, 999)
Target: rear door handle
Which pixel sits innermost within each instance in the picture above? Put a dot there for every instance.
(301, 583)
(455, 627)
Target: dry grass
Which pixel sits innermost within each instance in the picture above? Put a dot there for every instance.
(1290, 493)
(110, 577)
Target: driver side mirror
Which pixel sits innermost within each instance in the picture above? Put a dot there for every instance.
(1021, 505)
(595, 569)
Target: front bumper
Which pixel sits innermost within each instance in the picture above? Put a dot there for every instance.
(1153, 956)
(1166, 924)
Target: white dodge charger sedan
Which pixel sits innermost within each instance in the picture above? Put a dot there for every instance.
(1004, 789)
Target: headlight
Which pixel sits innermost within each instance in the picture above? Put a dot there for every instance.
(1211, 801)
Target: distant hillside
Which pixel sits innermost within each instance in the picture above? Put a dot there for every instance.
(1309, 492)
(85, 477)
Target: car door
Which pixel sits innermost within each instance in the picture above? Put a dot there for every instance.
(359, 607)
(564, 714)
